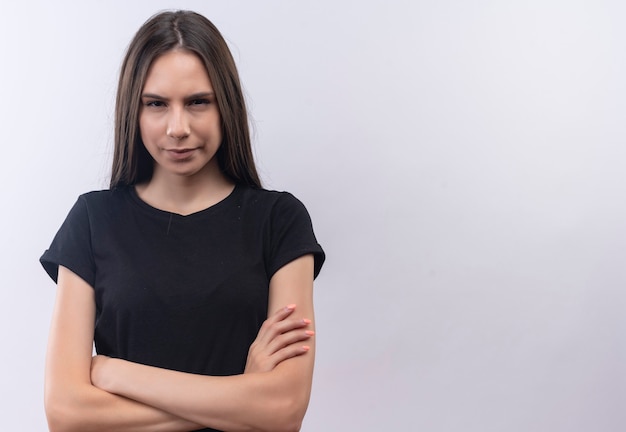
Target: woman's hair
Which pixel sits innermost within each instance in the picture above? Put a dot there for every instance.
(192, 32)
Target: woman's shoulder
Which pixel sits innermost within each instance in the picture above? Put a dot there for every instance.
(104, 194)
(106, 198)
(279, 207)
(267, 195)
(269, 198)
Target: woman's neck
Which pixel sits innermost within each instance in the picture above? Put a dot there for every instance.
(185, 194)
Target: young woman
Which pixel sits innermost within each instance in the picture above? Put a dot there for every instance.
(193, 281)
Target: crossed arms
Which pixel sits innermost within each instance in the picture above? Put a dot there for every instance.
(103, 394)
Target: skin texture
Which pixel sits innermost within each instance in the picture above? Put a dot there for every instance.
(179, 124)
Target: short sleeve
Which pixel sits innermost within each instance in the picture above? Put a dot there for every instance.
(71, 246)
(292, 235)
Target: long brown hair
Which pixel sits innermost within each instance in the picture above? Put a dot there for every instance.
(189, 31)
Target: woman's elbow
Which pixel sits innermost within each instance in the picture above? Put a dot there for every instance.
(58, 417)
(290, 412)
(63, 413)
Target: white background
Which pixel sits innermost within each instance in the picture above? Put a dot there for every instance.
(463, 162)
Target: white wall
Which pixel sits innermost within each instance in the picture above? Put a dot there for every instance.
(463, 162)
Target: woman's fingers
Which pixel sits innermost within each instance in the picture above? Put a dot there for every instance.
(289, 338)
(268, 331)
(278, 324)
(279, 338)
(288, 352)
(288, 345)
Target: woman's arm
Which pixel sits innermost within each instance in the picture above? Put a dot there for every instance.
(72, 402)
(268, 401)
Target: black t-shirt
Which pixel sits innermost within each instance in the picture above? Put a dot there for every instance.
(187, 293)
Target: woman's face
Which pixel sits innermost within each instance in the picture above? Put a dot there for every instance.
(179, 118)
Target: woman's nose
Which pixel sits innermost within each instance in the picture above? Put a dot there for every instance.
(178, 125)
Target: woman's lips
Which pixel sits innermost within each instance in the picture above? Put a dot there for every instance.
(180, 154)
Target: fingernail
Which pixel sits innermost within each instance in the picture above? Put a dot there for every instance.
(309, 332)
(290, 307)
(306, 321)
(306, 347)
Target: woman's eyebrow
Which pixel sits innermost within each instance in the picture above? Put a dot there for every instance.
(192, 96)
(201, 95)
(152, 96)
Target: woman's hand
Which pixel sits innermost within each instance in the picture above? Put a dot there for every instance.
(279, 339)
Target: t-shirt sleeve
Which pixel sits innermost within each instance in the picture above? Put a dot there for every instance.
(292, 235)
(71, 246)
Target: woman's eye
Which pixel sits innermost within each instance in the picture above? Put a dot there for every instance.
(200, 102)
(155, 104)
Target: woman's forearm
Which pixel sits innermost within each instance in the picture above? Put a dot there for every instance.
(87, 408)
(273, 401)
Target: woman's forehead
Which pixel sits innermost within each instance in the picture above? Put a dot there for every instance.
(177, 71)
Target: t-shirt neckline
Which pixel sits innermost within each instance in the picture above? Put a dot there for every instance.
(160, 212)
